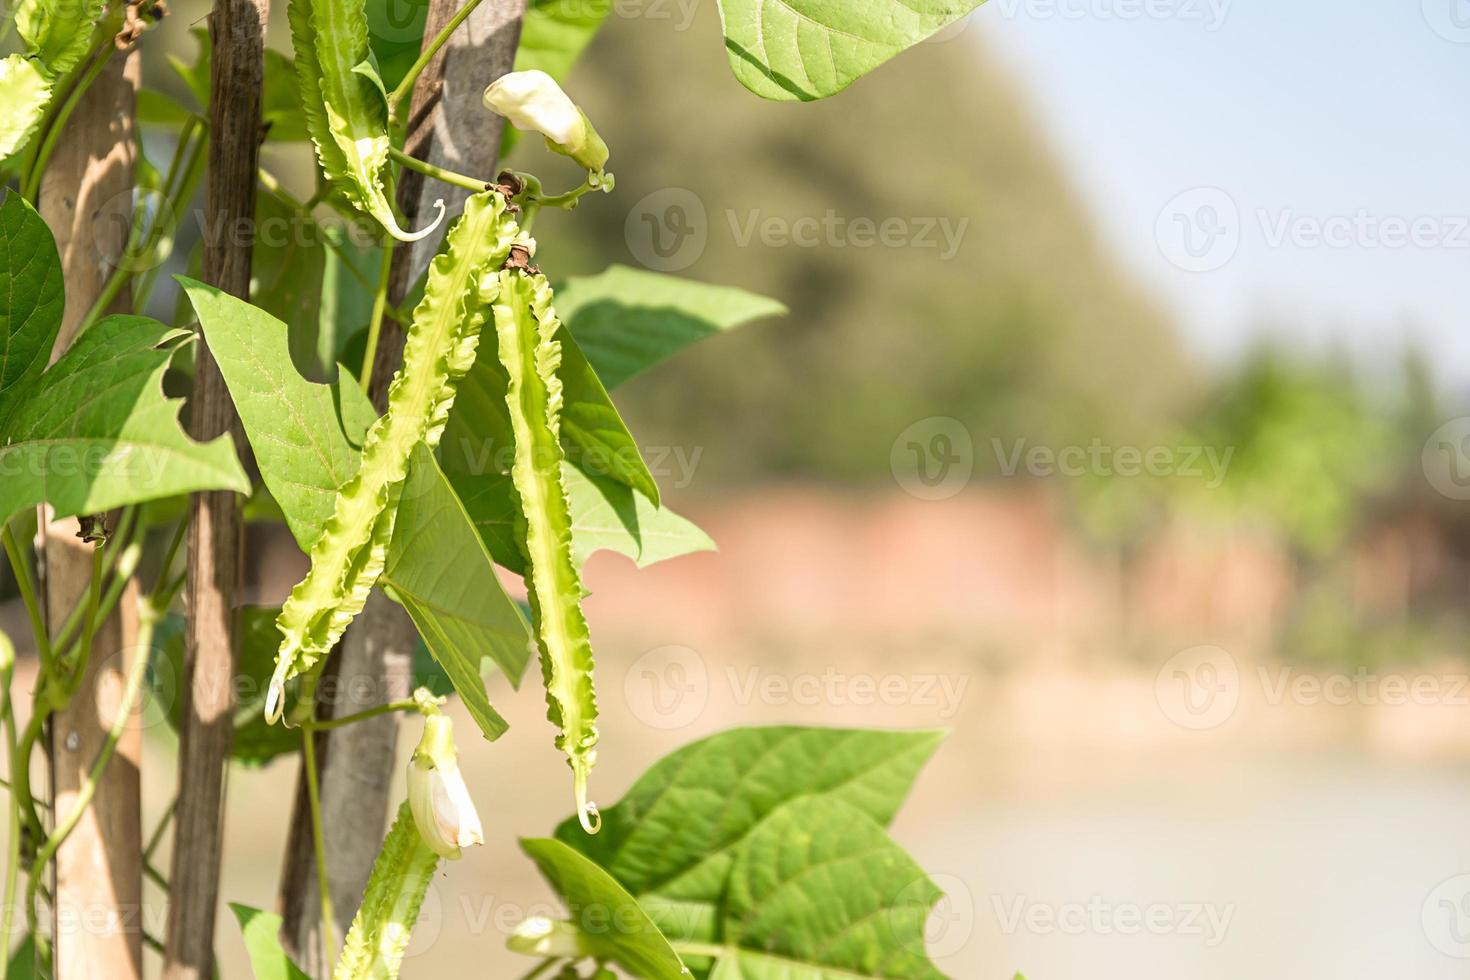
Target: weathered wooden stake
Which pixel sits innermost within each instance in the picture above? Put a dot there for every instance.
(215, 559)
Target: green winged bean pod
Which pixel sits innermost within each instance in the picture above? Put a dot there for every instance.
(348, 557)
(345, 106)
(380, 932)
(525, 326)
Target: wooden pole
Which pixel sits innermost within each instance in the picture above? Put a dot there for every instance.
(97, 889)
(448, 126)
(216, 537)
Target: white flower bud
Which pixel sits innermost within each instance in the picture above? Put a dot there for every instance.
(534, 102)
(437, 796)
(548, 938)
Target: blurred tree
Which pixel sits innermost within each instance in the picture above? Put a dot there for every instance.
(1308, 449)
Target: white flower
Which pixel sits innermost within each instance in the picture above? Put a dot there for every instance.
(437, 796)
(548, 938)
(534, 102)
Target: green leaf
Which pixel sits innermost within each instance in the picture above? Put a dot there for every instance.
(288, 263)
(261, 931)
(819, 890)
(157, 109)
(22, 965)
(791, 50)
(31, 299)
(95, 431)
(672, 840)
(627, 320)
(606, 515)
(439, 571)
(346, 304)
(280, 106)
(526, 328)
(343, 104)
(25, 91)
(440, 347)
(305, 436)
(396, 32)
(58, 33)
(376, 944)
(609, 921)
(593, 434)
(555, 32)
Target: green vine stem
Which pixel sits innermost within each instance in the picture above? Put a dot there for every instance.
(12, 851)
(327, 724)
(150, 613)
(20, 566)
(318, 841)
(540, 969)
(437, 172)
(122, 559)
(375, 323)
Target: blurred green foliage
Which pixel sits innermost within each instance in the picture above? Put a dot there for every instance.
(1027, 328)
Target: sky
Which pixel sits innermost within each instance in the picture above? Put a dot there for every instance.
(1297, 170)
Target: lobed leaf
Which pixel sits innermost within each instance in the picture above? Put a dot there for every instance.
(526, 328)
(95, 432)
(306, 437)
(348, 557)
(790, 50)
(378, 939)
